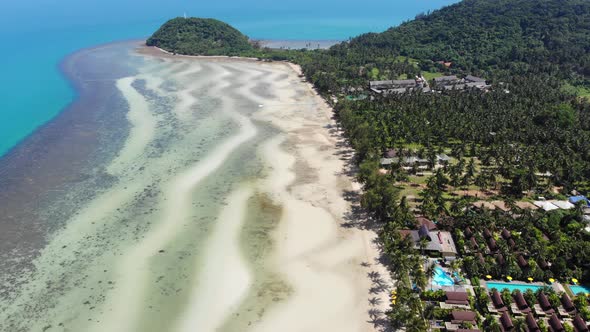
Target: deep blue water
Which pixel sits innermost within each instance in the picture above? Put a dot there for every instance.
(36, 34)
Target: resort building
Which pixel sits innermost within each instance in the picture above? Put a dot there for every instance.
(437, 242)
(422, 163)
(399, 86)
(455, 83)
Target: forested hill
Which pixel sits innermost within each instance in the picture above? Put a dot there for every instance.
(481, 35)
(200, 36)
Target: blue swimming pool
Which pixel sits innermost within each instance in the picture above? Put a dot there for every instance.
(579, 289)
(512, 286)
(441, 278)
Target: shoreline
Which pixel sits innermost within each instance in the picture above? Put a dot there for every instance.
(322, 267)
(314, 250)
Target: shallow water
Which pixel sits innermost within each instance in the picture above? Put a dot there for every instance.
(156, 224)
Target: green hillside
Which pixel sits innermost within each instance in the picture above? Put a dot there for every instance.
(199, 36)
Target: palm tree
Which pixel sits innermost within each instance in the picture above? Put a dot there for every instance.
(430, 272)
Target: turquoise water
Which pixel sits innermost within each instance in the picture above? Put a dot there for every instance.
(37, 34)
(579, 289)
(441, 278)
(512, 286)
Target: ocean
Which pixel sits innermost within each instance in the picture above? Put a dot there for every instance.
(37, 34)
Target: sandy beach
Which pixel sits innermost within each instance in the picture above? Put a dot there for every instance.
(225, 211)
(328, 265)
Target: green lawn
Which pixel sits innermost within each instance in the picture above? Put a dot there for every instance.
(430, 75)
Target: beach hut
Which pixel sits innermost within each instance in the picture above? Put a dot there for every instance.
(579, 324)
(506, 321)
(556, 324)
(532, 323)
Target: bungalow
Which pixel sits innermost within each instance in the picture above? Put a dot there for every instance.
(473, 243)
(423, 221)
(498, 302)
(543, 264)
(500, 259)
(468, 232)
(480, 258)
(579, 324)
(486, 233)
(462, 317)
(506, 234)
(459, 298)
(521, 304)
(506, 321)
(522, 262)
(468, 330)
(511, 243)
(544, 304)
(532, 323)
(567, 304)
(555, 324)
(492, 245)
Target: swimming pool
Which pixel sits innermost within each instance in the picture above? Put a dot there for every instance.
(579, 289)
(441, 278)
(512, 286)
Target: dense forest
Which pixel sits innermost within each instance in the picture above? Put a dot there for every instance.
(199, 36)
(493, 38)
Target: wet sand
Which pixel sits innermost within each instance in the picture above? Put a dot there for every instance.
(225, 212)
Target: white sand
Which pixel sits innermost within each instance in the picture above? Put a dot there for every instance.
(143, 125)
(320, 259)
(225, 277)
